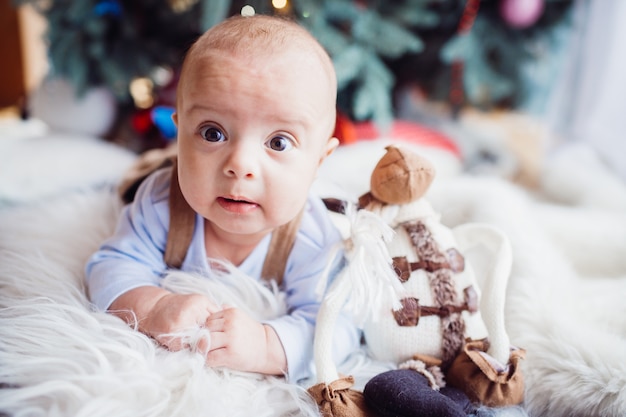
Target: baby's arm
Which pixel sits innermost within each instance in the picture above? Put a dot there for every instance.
(124, 275)
(296, 329)
(160, 313)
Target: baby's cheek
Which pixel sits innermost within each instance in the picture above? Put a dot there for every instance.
(287, 205)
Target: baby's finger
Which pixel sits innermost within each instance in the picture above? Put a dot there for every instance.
(218, 340)
(214, 324)
(216, 314)
(203, 345)
(213, 308)
(217, 357)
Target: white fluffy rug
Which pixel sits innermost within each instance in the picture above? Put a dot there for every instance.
(57, 358)
(565, 306)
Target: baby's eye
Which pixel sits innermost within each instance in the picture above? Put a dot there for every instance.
(212, 134)
(279, 143)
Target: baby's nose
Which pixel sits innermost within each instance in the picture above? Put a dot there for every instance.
(242, 161)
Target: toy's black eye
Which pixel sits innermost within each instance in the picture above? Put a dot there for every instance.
(212, 134)
(279, 143)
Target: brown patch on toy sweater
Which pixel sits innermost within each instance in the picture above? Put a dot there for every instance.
(442, 287)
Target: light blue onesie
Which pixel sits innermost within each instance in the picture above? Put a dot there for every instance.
(133, 257)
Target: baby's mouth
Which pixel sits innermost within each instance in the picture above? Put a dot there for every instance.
(236, 205)
(237, 200)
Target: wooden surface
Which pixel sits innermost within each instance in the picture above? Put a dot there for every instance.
(11, 70)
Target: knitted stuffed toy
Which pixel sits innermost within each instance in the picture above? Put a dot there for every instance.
(419, 304)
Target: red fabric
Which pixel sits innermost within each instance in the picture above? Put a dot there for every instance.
(344, 130)
(401, 130)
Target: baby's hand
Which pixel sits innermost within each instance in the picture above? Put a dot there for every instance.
(242, 343)
(174, 313)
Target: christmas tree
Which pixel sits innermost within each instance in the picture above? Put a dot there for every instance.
(466, 52)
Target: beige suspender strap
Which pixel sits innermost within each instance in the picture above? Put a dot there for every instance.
(279, 249)
(182, 222)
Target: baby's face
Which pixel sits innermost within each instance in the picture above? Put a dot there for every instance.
(251, 135)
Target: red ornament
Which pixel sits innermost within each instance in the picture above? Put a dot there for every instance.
(521, 13)
(142, 121)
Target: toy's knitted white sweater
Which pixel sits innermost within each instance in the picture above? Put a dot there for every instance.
(390, 341)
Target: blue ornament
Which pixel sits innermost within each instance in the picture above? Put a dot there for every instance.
(162, 119)
(108, 7)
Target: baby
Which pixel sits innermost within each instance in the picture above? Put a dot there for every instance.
(255, 114)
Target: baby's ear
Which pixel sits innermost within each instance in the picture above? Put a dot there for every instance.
(330, 147)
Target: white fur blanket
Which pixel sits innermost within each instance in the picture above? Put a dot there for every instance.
(565, 306)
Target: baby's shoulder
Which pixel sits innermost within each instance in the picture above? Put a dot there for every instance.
(155, 188)
(151, 201)
(317, 228)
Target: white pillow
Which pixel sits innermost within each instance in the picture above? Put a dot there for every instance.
(35, 164)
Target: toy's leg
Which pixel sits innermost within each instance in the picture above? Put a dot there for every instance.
(459, 399)
(407, 393)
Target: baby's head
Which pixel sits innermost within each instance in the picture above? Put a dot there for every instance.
(263, 42)
(255, 114)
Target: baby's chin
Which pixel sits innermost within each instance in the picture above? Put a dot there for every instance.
(240, 229)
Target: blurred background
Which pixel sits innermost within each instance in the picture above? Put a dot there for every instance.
(506, 83)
